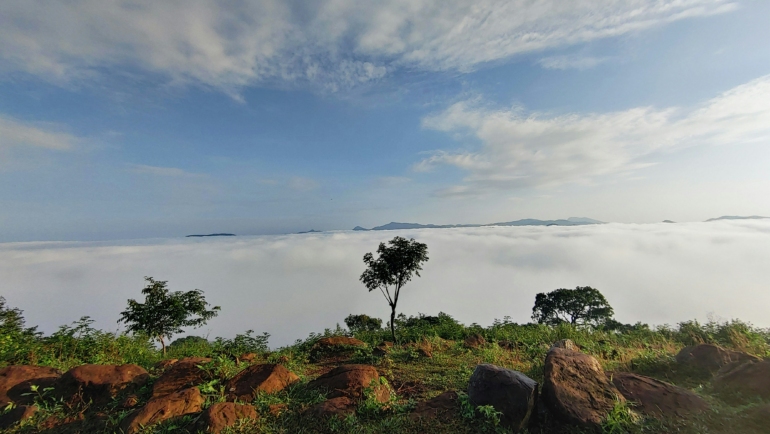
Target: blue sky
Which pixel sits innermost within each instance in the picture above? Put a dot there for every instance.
(123, 119)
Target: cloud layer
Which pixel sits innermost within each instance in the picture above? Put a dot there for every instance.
(292, 285)
(520, 149)
(14, 133)
(332, 43)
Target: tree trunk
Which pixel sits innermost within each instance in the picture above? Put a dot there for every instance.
(163, 345)
(393, 322)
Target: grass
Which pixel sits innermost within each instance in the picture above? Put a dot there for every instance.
(411, 375)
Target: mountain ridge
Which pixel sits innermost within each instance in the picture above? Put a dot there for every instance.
(572, 221)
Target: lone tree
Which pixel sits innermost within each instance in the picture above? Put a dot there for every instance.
(580, 306)
(164, 313)
(362, 323)
(392, 269)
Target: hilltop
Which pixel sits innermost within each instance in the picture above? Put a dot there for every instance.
(572, 221)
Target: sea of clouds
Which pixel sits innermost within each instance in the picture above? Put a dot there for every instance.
(292, 285)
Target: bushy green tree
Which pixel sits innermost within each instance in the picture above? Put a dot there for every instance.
(580, 306)
(392, 269)
(165, 313)
(359, 323)
(15, 337)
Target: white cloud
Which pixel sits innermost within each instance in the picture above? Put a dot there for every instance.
(334, 43)
(520, 149)
(294, 284)
(15, 133)
(570, 62)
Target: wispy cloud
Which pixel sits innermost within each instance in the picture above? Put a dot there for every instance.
(163, 171)
(571, 62)
(14, 133)
(334, 44)
(520, 149)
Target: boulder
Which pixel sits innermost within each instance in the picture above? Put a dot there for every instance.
(181, 375)
(566, 344)
(268, 378)
(382, 349)
(339, 407)
(99, 383)
(350, 381)
(749, 379)
(710, 357)
(754, 419)
(187, 401)
(16, 415)
(575, 388)
(335, 346)
(226, 414)
(509, 392)
(18, 379)
(164, 364)
(441, 407)
(475, 341)
(656, 398)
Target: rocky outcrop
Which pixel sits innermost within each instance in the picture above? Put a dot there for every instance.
(181, 375)
(187, 401)
(226, 414)
(566, 344)
(350, 381)
(749, 379)
(17, 380)
(509, 392)
(441, 407)
(656, 398)
(710, 357)
(382, 349)
(16, 415)
(164, 364)
(576, 389)
(475, 341)
(99, 383)
(335, 346)
(268, 378)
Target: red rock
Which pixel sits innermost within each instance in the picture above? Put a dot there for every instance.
(18, 379)
(226, 414)
(656, 398)
(164, 364)
(566, 344)
(441, 407)
(710, 357)
(16, 415)
(99, 383)
(181, 375)
(166, 407)
(335, 346)
(750, 379)
(268, 378)
(576, 389)
(338, 407)
(475, 341)
(350, 381)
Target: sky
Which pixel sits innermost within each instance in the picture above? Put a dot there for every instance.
(138, 119)
(292, 285)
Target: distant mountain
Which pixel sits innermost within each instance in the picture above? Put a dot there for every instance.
(572, 221)
(311, 231)
(668, 221)
(737, 217)
(212, 235)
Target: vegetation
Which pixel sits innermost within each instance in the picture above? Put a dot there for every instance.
(165, 313)
(580, 306)
(358, 323)
(392, 269)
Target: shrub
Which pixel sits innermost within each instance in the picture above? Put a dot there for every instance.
(359, 323)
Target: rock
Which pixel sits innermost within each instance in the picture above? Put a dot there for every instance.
(350, 381)
(509, 392)
(164, 364)
(754, 419)
(335, 346)
(339, 407)
(18, 379)
(276, 409)
(226, 414)
(475, 341)
(382, 349)
(575, 388)
(440, 407)
(181, 375)
(656, 398)
(268, 378)
(99, 383)
(749, 379)
(710, 357)
(16, 415)
(566, 344)
(130, 402)
(166, 407)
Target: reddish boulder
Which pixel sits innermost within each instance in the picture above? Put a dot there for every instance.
(338, 407)
(575, 388)
(166, 407)
(509, 392)
(268, 378)
(441, 407)
(181, 375)
(710, 357)
(750, 379)
(656, 398)
(226, 414)
(16, 415)
(350, 381)
(164, 364)
(335, 346)
(566, 344)
(99, 383)
(18, 379)
(475, 341)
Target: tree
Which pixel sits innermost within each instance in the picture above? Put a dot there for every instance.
(360, 323)
(164, 313)
(392, 269)
(580, 306)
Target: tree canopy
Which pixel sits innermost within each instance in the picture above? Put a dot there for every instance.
(394, 266)
(165, 313)
(580, 306)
